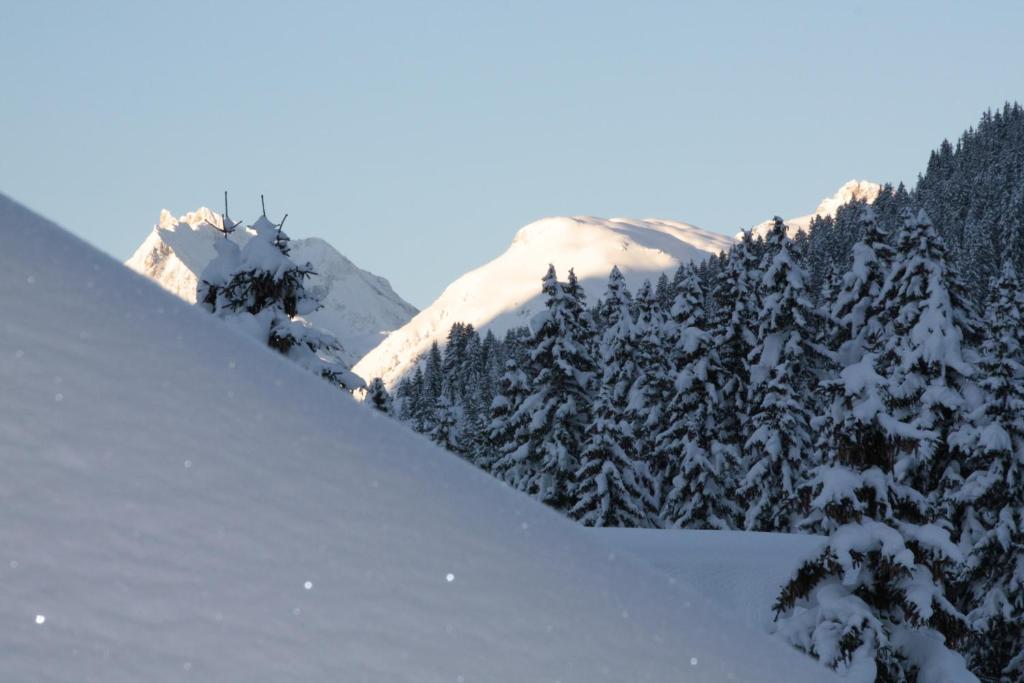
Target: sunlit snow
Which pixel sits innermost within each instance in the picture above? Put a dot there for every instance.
(153, 566)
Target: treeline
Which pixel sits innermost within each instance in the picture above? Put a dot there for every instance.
(863, 381)
(879, 407)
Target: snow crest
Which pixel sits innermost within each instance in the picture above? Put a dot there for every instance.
(506, 292)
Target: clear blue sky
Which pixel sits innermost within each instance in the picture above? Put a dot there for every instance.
(417, 137)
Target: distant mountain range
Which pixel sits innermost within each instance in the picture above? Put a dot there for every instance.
(505, 293)
(384, 335)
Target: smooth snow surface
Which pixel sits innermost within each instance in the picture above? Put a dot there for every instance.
(505, 293)
(854, 189)
(169, 490)
(742, 572)
(359, 308)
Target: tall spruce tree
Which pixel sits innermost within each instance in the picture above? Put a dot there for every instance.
(559, 404)
(508, 434)
(927, 360)
(782, 377)
(735, 304)
(700, 467)
(613, 484)
(652, 382)
(991, 502)
(884, 573)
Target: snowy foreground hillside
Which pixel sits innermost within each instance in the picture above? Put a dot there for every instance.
(854, 190)
(505, 293)
(359, 308)
(181, 504)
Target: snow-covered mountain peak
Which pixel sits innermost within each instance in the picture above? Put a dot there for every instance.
(853, 190)
(505, 293)
(192, 220)
(860, 190)
(359, 308)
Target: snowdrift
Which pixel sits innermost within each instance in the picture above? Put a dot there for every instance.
(742, 573)
(180, 504)
(505, 293)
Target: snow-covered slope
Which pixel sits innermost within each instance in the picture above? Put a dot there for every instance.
(743, 572)
(182, 505)
(505, 293)
(359, 308)
(854, 189)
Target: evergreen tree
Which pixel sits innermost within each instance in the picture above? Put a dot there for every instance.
(410, 396)
(664, 293)
(700, 467)
(260, 291)
(854, 308)
(378, 397)
(880, 577)
(652, 382)
(927, 360)
(508, 432)
(559, 402)
(783, 362)
(445, 429)
(613, 484)
(431, 388)
(991, 502)
(860, 327)
(884, 573)
(736, 304)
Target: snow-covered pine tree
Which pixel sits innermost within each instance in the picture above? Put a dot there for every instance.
(431, 389)
(779, 450)
(854, 308)
(882, 575)
(474, 398)
(453, 365)
(490, 365)
(559, 403)
(735, 303)
(653, 382)
(508, 433)
(700, 468)
(377, 396)
(408, 396)
(859, 327)
(857, 605)
(260, 291)
(613, 485)
(445, 430)
(433, 372)
(664, 293)
(990, 504)
(927, 360)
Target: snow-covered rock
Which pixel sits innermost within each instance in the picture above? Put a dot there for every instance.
(850, 191)
(505, 293)
(359, 308)
(180, 503)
